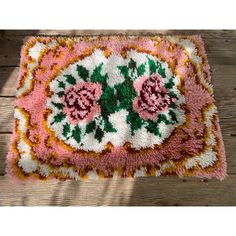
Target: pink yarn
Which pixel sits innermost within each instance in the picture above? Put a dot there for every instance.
(80, 101)
(153, 97)
(196, 98)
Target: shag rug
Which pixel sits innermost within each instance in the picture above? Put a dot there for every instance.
(115, 106)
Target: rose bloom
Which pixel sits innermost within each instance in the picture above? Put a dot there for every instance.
(153, 98)
(80, 101)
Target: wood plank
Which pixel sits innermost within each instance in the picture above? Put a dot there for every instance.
(222, 57)
(229, 141)
(227, 114)
(230, 144)
(216, 34)
(219, 50)
(6, 114)
(162, 191)
(10, 50)
(223, 76)
(8, 80)
(223, 80)
(213, 44)
(4, 146)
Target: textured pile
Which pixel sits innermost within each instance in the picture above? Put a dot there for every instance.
(111, 106)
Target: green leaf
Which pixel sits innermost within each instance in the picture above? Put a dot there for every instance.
(99, 134)
(108, 127)
(108, 101)
(60, 94)
(97, 75)
(170, 84)
(163, 118)
(173, 116)
(90, 127)
(172, 105)
(124, 70)
(66, 130)
(61, 84)
(82, 72)
(134, 120)
(141, 70)
(152, 66)
(132, 64)
(161, 71)
(59, 117)
(123, 91)
(152, 127)
(172, 94)
(126, 93)
(58, 105)
(76, 134)
(70, 79)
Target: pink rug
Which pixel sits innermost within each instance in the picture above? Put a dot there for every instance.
(116, 106)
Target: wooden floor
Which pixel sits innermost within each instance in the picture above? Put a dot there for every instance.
(221, 49)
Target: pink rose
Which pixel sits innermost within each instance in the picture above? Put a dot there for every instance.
(152, 98)
(80, 101)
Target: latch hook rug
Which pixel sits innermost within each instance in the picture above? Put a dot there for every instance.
(115, 106)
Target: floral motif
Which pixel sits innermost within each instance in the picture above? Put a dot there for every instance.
(153, 97)
(80, 101)
(115, 106)
(84, 103)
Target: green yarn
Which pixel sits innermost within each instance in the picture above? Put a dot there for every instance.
(108, 127)
(82, 72)
(170, 84)
(60, 94)
(163, 118)
(66, 130)
(70, 79)
(141, 70)
(99, 134)
(59, 117)
(76, 133)
(61, 84)
(132, 64)
(108, 101)
(125, 94)
(97, 75)
(172, 94)
(161, 71)
(124, 70)
(90, 127)
(153, 128)
(58, 105)
(152, 66)
(173, 115)
(134, 120)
